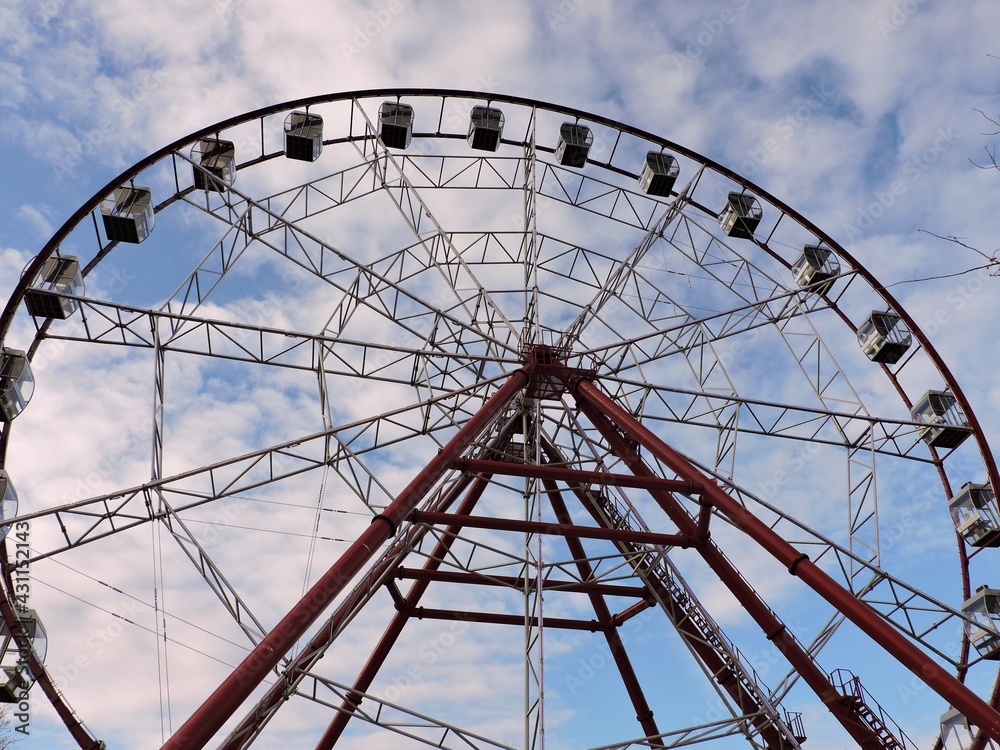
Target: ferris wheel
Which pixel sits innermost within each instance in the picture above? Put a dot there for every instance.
(428, 417)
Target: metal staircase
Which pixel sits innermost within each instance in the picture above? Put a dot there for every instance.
(719, 655)
(860, 704)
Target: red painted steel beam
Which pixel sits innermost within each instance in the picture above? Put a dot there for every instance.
(558, 529)
(976, 710)
(395, 628)
(513, 582)
(327, 632)
(627, 614)
(756, 607)
(496, 618)
(235, 689)
(712, 660)
(576, 476)
(609, 624)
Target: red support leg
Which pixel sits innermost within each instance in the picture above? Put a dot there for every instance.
(756, 607)
(643, 713)
(235, 689)
(316, 648)
(395, 628)
(976, 710)
(678, 613)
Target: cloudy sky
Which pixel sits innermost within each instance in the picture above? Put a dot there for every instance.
(869, 118)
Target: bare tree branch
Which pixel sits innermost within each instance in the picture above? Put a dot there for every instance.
(992, 261)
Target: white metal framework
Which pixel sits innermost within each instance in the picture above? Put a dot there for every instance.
(332, 289)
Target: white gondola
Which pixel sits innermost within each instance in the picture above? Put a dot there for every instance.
(303, 136)
(658, 174)
(16, 383)
(59, 275)
(740, 216)
(974, 511)
(944, 423)
(128, 214)
(214, 164)
(485, 128)
(884, 338)
(395, 124)
(8, 502)
(15, 675)
(983, 608)
(956, 734)
(816, 268)
(574, 144)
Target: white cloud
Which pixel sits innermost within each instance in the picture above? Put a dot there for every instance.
(34, 215)
(827, 107)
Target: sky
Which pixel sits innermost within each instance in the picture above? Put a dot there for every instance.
(871, 119)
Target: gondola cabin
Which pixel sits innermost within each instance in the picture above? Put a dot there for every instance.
(16, 383)
(974, 511)
(15, 675)
(485, 128)
(395, 124)
(816, 268)
(740, 216)
(956, 734)
(658, 174)
(884, 338)
(128, 214)
(983, 608)
(214, 164)
(574, 144)
(60, 275)
(944, 423)
(8, 501)
(303, 136)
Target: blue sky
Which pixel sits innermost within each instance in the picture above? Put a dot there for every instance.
(865, 117)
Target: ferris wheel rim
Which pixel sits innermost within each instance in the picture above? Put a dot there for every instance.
(53, 244)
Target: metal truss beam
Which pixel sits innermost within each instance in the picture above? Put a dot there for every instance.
(483, 579)
(216, 710)
(575, 476)
(723, 663)
(599, 408)
(89, 519)
(565, 530)
(609, 623)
